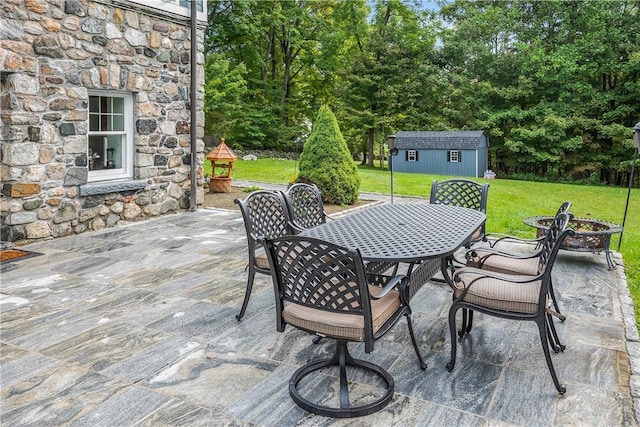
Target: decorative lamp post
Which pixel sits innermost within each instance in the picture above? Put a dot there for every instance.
(636, 148)
(222, 157)
(393, 151)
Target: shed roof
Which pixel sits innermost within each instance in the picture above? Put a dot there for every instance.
(417, 140)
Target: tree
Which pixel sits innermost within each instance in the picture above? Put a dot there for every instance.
(390, 75)
(278, 44)
(326, 161)
(555, 82)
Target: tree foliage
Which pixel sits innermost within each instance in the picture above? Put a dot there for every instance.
(554, 84)
(326, 161)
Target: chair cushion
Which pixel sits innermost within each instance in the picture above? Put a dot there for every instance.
(507, 265)
(496, 293)
(338, 325)
(261, 258)
(477, 235)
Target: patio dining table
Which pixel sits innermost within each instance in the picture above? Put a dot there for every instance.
(423, 235)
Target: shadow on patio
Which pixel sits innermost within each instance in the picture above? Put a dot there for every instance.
(136, 325)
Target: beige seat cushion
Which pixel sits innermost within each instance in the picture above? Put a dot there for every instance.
(261, 258)
(477, 235)
(338, 325)
(508, 265)
(496, 293)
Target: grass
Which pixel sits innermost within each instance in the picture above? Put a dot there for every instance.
(509, 202)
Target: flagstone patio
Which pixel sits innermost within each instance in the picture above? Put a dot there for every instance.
(135, 325)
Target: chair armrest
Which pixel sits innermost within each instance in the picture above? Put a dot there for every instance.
(295, 228)
(391, 284)
(493, 275)
(507, 238)
(488, 252)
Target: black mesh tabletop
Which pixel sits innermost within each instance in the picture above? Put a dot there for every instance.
(402, 233)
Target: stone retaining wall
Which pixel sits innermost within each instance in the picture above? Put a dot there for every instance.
(51, 53)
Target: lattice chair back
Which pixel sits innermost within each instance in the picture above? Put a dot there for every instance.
(564, 208)
(464, 193)
(265, 216)
(460, 192)
(314, 273)
(550, 246)
(305, 206)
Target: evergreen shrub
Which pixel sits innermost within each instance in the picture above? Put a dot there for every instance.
(326, 161)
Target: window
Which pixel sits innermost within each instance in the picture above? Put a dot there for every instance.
(181, 7)
(411, 156)
(454, 156)
(110, 150)
(185, 3)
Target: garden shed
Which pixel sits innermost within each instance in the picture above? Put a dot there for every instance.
(459, 153)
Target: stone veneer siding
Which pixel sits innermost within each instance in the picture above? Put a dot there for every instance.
(51, 53)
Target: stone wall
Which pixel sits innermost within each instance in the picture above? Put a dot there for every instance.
(51, 53)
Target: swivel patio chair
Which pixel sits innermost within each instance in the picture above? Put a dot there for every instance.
(265, 215)
(304, 203)
(512, 296)
(321, 288)
(499, 261)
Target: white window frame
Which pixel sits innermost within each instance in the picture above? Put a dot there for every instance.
(126, 171)
(173, 6)
(454, 156)
(412, 155)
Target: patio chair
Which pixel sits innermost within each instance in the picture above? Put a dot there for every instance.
(496, 239)
(464, 193)
(265, 215)
(304, 203)
(493, 259)
(321, 288)
(512, 296)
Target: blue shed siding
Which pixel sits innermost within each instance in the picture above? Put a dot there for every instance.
(436, 162)
(433, 149)
(483, 160)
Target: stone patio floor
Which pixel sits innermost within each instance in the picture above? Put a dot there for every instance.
(135, 326)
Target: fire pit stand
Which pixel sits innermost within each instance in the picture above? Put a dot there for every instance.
(591, 235)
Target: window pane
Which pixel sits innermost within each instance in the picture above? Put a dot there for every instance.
(105, 104)
(186, 3)
(96, 153)
(114, 152)
(94, 105)
(118, 105)
(94, 122)
(118, 122)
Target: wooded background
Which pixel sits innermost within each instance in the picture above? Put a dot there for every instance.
(554, 84)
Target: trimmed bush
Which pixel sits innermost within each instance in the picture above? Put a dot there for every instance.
(326, 162)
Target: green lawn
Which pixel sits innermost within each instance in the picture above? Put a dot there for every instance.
(509, 202)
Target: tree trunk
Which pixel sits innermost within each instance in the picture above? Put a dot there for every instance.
(370, 140)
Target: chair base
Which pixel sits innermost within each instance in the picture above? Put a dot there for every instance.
(341, 358)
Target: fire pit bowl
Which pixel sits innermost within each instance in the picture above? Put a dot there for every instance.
(591, 235)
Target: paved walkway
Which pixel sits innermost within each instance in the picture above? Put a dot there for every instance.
(135, 325)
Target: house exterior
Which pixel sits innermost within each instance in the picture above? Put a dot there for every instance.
(95, 122)
(457, 153)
